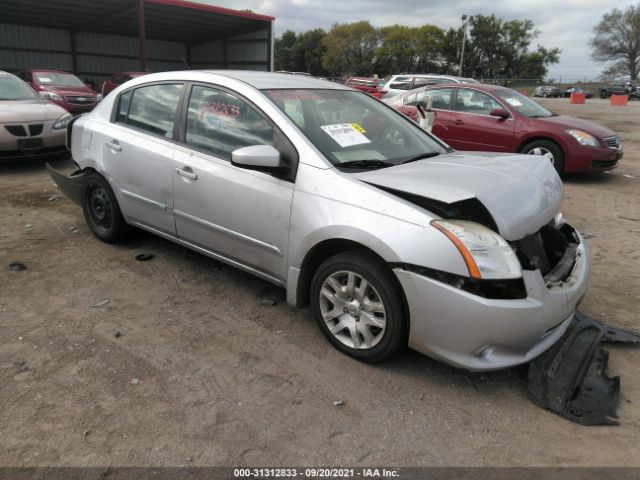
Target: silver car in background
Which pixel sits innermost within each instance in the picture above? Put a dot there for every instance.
(29, 126)
(408, 81)
(392, 237)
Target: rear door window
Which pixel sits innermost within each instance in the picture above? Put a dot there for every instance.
(151, 109)
(441, 98)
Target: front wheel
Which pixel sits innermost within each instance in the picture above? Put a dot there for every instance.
(549, 149)
(359, 307)
(101, 210)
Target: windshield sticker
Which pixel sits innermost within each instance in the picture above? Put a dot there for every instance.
(44, 79)
(358, 128)
(345, 134)
(514, 102)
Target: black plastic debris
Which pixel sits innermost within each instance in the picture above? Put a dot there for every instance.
(17, 266)
(143, 257)
(571, 379)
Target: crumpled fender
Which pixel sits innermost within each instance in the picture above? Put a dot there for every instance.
(571, 377)
(72, 185)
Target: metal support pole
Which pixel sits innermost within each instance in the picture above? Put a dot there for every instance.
(464, 38)
(142, 36)
(270, 48)
(74, 52)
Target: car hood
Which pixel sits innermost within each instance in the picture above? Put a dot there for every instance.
(564, 122)
(26, 111)
(522, 192)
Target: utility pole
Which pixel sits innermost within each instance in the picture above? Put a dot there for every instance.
(464, 38)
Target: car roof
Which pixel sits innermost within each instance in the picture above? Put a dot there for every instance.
(484, 87)
(256, 79)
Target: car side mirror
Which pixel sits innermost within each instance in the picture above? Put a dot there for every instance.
(499, 112)
(263, 158)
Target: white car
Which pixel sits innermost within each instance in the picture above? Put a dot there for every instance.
(408, 81)
(392, 237)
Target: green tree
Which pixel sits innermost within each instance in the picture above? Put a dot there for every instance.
(313, 49)
(287, 54)
(617, 42)
(350, 48)
(409, 49)
(500, 49)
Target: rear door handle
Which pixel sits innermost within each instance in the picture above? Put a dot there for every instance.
(114, 145)
(458, 122)
(186, 172)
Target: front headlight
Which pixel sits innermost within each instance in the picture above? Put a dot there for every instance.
(51, 96)
(62, 122)
(486, 254)
(584, 138)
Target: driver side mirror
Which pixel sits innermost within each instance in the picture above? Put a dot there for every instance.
(499, 112)
(263, 158)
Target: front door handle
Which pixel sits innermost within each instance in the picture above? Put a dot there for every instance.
(114, 145)
(186, 172)
(458, 122)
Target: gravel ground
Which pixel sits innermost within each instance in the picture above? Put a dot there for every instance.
(182, 360)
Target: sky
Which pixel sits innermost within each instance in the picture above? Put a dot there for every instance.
(566, 24)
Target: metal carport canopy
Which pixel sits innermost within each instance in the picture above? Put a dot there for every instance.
(177, 20)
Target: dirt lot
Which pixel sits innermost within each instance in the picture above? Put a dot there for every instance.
(208, 372)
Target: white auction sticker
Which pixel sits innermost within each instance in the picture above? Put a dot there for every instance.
(346, 134)
(514, 102)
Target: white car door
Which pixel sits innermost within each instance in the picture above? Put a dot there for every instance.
(239, 214)
(138, 152)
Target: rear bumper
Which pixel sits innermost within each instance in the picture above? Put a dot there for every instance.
(477, 333)
(72, 185)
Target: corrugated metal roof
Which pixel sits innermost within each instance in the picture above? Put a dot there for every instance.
(178, 20)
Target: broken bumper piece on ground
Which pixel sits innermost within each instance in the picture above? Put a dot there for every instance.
(571, 378)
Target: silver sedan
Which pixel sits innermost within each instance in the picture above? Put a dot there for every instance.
(393, 238)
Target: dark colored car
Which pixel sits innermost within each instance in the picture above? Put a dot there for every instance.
(547, 91)
(625, 88)
(367, 85)
(566, 93)
(492, 118)
(118, 79)
(62, 88)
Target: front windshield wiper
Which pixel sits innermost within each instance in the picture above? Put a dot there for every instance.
(373, 164)
(422, 157)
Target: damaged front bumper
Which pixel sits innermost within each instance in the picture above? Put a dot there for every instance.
(72, 185)
(477, 333)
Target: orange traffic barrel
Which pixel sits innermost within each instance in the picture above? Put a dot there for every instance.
(619, 100)
(577, 97)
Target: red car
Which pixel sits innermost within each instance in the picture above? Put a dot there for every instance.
(62, 88)
(491, 118)
(118, 79)
(367, 85)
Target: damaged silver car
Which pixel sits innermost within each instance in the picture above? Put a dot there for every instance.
(390, 236)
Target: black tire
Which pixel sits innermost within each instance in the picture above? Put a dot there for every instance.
(394, 335)
(552, 147)
(101, 210)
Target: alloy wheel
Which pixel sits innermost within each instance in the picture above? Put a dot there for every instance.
(542, 151)
(353, 310)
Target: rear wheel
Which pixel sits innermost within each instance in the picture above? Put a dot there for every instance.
(101, 210)
(359, 306)
(549, 149)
